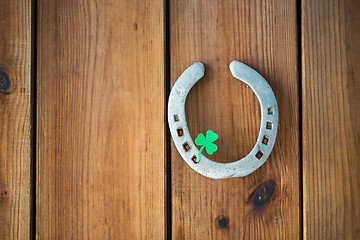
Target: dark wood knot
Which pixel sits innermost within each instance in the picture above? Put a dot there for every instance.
(4, 82)
(222, 221)
(262, 194)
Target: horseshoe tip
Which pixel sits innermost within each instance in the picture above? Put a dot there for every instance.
(200, 66)
(233, 65)
(234, 62)
(197, 69)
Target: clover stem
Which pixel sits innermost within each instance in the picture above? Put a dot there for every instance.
(198, 157)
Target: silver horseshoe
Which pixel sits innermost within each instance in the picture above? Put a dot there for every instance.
(181, 135)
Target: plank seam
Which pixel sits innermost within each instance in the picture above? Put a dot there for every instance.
(301, 176)
(33, 111)
(168, 138)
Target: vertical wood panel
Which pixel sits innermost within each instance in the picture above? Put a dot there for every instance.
(101, 143)
(15, 119)
(262, 34)
(331, 119)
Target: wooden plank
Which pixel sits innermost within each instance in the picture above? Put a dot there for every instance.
(15, 119)
(331, 120)
(262, 34)
(101, 120)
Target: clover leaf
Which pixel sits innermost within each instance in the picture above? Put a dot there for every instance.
(207, 142)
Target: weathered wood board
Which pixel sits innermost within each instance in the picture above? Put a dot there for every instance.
(331, 119)
(101, 120)
(16, 114)
(262, 34)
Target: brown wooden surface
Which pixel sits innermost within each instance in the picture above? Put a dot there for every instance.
(331, 120)
(15, 119)
(101, 120)
(100, 126)
(262, 34)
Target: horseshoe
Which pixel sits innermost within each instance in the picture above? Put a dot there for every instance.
(181, 135)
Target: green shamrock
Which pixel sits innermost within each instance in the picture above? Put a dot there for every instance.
(207, 142)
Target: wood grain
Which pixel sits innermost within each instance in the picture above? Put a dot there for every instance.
(262, 34)
(331, 119)
(15, 119)
(101, 120)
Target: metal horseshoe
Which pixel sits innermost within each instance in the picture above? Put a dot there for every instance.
(181, 135)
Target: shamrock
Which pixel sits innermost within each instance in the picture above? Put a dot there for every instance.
(207, 142)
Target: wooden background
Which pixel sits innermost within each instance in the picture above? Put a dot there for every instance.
(84, 148)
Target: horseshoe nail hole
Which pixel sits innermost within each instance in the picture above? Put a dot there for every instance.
(186, 146)
(265, 140)
(194, 159)
(176, 118)
(180, 132)
(269, 125)
(270, 110)
(259, 154)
